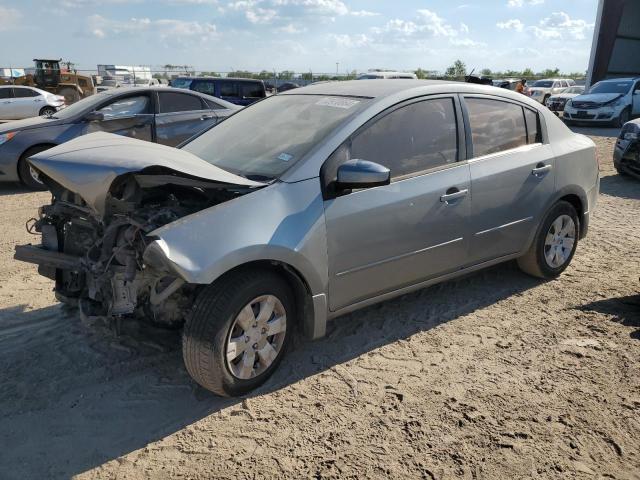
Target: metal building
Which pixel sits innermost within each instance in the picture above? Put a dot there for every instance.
(616, 41)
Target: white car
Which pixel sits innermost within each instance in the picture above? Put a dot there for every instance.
(146, 82)
(556, 103)
(613, 101)
(386, 74)
(18, 102)
(541, 90)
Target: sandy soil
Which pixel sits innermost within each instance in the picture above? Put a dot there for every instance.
(493, 376)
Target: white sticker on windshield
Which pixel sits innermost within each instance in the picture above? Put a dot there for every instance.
(285, 157)
(337, 102)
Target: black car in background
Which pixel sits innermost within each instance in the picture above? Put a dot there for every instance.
(157, 114)
(626, 153)
(241, 91)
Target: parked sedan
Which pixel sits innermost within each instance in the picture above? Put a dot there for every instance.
(17, 102)
(157, 114)
(308, 205)
(556, 103)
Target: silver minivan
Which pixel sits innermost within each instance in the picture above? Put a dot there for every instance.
(306, 206)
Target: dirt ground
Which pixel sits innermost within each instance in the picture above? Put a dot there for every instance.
(493, 376)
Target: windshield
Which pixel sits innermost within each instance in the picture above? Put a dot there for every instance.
(610, 87)
(543, 84)
(86, 104)
(269, 137)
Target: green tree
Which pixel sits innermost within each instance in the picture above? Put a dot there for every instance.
(486, 72)
(527, 72)
(550, 73)
(286, 75)
(457, 70)
(307, 76)
(420, 73)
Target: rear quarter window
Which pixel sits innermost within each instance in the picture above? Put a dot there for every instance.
(252, 90)
(171, 102)
(229, 89)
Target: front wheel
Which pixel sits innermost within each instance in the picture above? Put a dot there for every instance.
(239, 331)
(28, 175)
(555, 243)
(623, 118)
(47, 111)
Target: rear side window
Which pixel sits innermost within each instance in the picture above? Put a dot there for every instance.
(533, 126)
(6, 93)
(229, 89)
(24, 93)
(252, 90)
(495, 125)
(204, 86)
(411, 139)
(178, 102)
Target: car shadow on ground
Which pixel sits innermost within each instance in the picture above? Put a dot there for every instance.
(12, 188)
(620, 186)
(625, 310)
(75, 395)
(593, 131)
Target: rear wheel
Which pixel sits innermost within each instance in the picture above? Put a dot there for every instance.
(555, 243)
(238, 332)
(28, 175)
(47, 111)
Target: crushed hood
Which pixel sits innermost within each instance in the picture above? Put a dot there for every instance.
(89, 164)
(597, 97)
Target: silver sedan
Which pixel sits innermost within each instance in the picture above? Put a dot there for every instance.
(306, 206)
(18, 102)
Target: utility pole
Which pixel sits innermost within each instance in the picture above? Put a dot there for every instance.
(337, 68)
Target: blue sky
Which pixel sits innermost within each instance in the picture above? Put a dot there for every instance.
(301, 35)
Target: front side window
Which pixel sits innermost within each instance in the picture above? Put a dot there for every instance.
(229, 89)
(495, 125)
(24, 93)
(5, 93)
(411, 139)
(542, 84)
(252, 90)
(178, 102)
(126, 107)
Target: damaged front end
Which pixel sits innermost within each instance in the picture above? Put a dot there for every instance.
(96, 256)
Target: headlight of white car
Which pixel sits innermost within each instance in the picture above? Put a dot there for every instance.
(615, 103)
(5, 137)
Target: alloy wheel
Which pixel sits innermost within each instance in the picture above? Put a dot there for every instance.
(559, 241)
(256, 337)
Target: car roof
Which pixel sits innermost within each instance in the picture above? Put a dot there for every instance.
(163, 88)
(366, 88)
(220, 78)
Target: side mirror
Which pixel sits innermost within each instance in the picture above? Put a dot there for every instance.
(362, 174)
(94, 116)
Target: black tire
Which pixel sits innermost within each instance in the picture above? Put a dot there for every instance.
(534, 262)
(205, 334)
(544, 100)
(24, 171)
(623, 118)
(47, 111)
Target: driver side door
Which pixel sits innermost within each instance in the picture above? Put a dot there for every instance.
(387, 237)
(131, 116)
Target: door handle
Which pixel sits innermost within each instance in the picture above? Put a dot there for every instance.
(453, 194)
(207, 117)
(541, 168)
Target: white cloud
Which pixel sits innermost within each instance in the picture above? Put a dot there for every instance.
(363, 13)
(291, 29)
(513, 24)
(9, 17)
(522, 3)
(351, 41)
(560, 22)
(178, 32)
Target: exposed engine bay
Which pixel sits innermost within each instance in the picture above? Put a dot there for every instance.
(96, 259)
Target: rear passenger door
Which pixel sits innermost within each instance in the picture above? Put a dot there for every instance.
(181, 116)
(388, 237)
(512, 175)
(26, 102)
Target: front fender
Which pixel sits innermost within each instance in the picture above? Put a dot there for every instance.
(283, 222)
